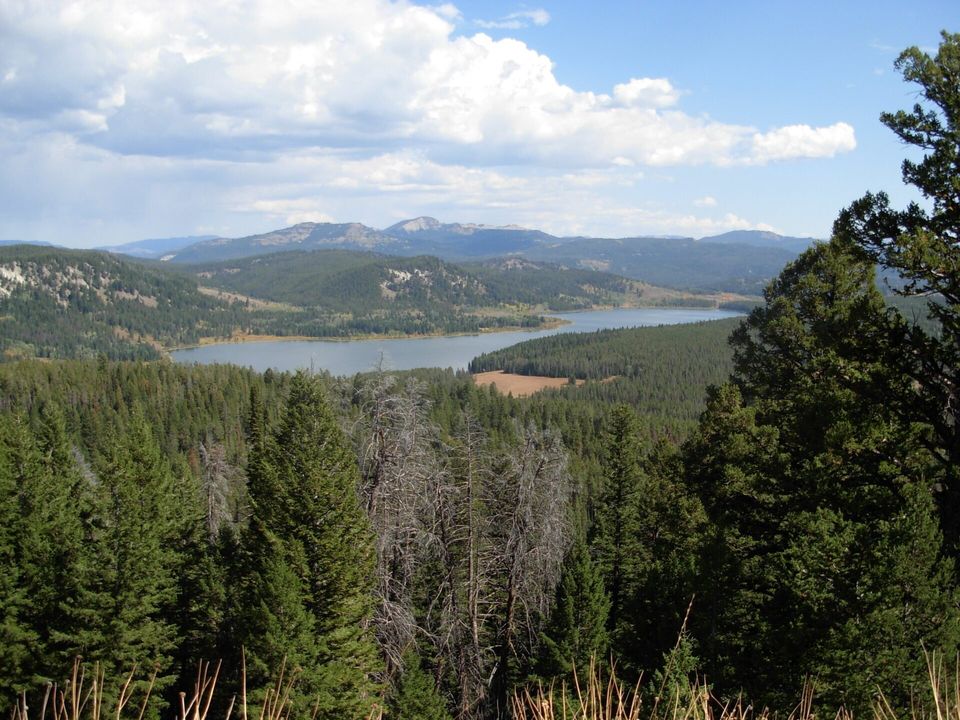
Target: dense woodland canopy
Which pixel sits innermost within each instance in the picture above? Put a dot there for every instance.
(424, 545)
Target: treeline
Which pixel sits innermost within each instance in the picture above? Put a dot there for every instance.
(259, 524)
(318, 323)
(695, 353)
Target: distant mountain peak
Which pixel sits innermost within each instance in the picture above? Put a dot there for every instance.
(417, 224)
(425, 223)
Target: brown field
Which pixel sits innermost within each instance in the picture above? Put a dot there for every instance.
(519, 385)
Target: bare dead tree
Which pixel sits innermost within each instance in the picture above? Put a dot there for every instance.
(464, 592)
(470, 541)
(530, 526)
(218, 479)
(394, 440)
(505, 520)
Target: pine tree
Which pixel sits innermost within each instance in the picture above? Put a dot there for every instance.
(799, 517)
(733, 466)
(615, 531)
(17, 640)
(309, 550)
(921, 245)
(128, 587)
(577, 631)
(414, 695)
(668, 529)
(53, 549)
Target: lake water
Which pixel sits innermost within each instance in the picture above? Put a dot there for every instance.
(352, 356)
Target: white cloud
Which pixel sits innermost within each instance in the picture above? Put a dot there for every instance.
(290, 211)
(517, 20)
(646, 92)
(797, 141)
(259, 77)
(705, 201)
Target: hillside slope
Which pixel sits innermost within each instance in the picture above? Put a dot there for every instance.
(75, 304)
(347, 281)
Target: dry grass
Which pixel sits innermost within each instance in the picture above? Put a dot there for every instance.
(597, 696)
(85, 697)
(593, 698)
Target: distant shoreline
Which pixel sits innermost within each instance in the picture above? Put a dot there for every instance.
(550, 324)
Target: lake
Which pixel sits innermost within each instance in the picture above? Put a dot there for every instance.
(346, 357)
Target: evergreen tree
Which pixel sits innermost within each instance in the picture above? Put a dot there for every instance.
(414, 696)
(43, 546)
(17, 640)
(128, 586)
(309, 590)
(733, 466)
(615, 531)
(921, 245)
(53, 552)
(816, 501)
(668, 528)
(577, 631)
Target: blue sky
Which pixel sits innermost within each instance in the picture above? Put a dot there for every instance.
(121, 120)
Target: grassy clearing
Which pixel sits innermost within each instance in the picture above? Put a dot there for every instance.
(519, 385)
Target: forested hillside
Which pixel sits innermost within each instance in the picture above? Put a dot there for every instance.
(682, 263)
(698, 353)
(348, 281)
(69, 303)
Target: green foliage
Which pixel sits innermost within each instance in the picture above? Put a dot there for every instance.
(616, 531)
(341, 281)
(922, 246)
(577, 631)
(808, 490)
(129, 588)
(307, 586)
(689, 356)
(414, 695)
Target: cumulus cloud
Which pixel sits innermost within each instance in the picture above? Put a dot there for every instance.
(797, 141)
(705, 201)
(646, 92)
(258, 77)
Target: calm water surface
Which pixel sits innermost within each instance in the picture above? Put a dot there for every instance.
(349, 357)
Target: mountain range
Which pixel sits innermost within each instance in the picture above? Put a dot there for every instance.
(740, 261)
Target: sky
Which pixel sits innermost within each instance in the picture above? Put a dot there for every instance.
(128, 119)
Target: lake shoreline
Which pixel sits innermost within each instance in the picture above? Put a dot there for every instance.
(551, 324)
(347, 356)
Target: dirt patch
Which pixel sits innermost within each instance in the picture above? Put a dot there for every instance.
(252, 302)
(519, 385)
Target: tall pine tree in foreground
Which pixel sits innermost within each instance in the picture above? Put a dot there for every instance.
(921, 245)
(576, 632)
(824, 518)
(307, 593)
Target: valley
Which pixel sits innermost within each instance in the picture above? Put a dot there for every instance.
(65, 303)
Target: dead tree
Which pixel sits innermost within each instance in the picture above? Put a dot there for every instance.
(394, 440)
